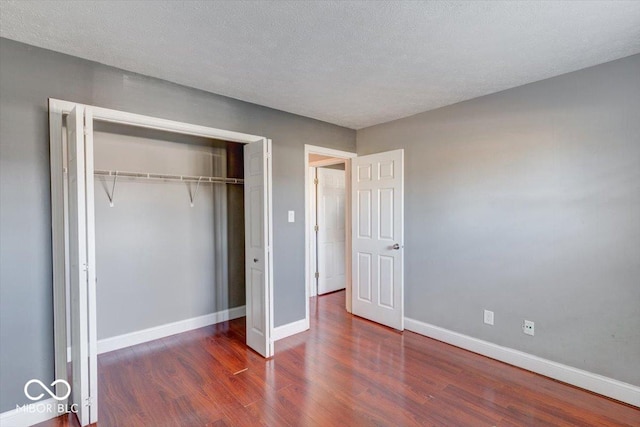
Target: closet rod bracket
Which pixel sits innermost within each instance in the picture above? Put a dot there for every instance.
(113, 189)
(192, 196)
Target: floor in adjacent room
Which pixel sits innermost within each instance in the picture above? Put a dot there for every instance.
(345, 371)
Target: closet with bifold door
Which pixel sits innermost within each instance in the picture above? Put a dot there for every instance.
(159, 227)
(165, 251)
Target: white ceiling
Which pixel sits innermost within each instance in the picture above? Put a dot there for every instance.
(355, 64)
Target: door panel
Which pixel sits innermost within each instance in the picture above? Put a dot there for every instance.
(82, 267)
(92, 315)
(385, 225)
(385, 268)
(363, 211)
(257, 296)
(363, 279)
(257, 242)
(377, 183)
(331, 230)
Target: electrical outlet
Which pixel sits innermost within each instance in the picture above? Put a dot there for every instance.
(488, 317)
(292, 216)
(528, 327)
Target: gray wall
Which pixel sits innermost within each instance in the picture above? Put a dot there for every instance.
(28, 76)
(527, 203)
(235, 225)
(159, 260)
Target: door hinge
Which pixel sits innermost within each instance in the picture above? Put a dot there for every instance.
(317, 275)
(86, 131)
(315, 181)
(316, 228)
(88, 401)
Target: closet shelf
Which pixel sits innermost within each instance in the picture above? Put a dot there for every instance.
(168, 177)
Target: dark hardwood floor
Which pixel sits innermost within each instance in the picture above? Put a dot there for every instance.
(345, 371)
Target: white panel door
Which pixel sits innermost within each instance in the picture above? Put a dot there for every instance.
(377, 184)
(331, 230)
(82, 266)
(257, 164)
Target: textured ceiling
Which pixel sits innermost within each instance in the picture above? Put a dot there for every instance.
(351, 63)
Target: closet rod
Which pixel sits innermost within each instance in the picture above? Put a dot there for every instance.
(167, 177)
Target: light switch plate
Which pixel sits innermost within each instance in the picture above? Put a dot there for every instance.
(292, 216)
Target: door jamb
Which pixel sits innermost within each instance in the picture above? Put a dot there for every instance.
(345, 156)
(327, 162)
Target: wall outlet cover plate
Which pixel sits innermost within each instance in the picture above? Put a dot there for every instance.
(528, 327)
(488, 317)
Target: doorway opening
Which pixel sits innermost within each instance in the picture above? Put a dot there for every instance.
(328, 212)
(327, 223)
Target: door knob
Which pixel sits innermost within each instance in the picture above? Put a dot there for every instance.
(255, 260)
(395, 247)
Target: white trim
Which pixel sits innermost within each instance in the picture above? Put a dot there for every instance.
(92, 327)
(271, 303)
(289, 329)
(349, 237)
(138, 337)
(18, 418)
(346, 156)
(58, 246)
(149, 122)
(599, 384)
(312, 247)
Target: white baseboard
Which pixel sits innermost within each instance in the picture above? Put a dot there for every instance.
(157, 332)
(609, 387)
(138, 337)
(40, 411)
(289, 329)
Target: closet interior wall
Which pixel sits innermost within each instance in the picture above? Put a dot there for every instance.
(235, 225)
(158, 259)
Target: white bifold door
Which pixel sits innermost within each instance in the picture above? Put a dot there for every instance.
(378, 237)
(82, 280)
(82, 277)
(257, 163)
(331, 230)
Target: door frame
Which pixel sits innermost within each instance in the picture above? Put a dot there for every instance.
(345, 156)
(57, 110)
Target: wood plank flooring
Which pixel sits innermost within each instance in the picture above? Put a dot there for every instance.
(345, 371)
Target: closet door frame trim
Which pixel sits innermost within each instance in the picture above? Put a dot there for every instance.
(57, 110)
